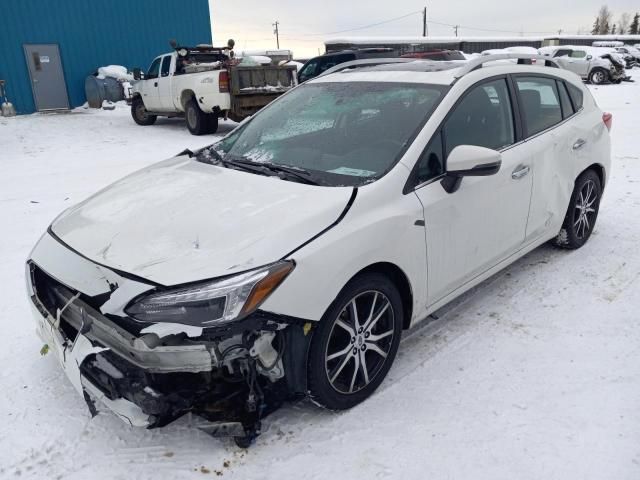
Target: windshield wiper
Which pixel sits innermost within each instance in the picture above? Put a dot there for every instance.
(214, 157)
(284, 171)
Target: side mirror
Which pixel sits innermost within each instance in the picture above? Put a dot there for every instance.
(589, 57)
(470, 161)
(137, 74)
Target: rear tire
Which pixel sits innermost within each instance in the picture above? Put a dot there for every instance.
(599, 76)
(198, 122)
(140, 114)
(353, 348)
(582, 213)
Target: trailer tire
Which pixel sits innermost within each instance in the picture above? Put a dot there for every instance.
(198, 122)
(140, 114)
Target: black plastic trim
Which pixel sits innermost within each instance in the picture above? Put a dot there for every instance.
(451, 182)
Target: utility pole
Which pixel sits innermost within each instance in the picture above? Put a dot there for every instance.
(424, 22)
(456, 29)
(277, 33)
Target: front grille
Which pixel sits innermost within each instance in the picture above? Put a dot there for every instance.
(53, 296)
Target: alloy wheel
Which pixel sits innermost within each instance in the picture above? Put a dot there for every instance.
(360, 341)
(598, 77)
(584, 213)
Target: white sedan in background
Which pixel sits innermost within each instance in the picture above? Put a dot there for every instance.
(287, 259)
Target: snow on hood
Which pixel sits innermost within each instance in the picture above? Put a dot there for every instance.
(181, 220)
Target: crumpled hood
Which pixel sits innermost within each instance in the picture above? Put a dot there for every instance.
(181, 220)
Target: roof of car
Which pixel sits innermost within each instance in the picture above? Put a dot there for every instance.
(423, 71)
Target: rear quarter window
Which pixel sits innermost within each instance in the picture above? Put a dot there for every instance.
(577, 96)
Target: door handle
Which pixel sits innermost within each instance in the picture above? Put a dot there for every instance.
(579, 144)
(155, 84)
(520, 172)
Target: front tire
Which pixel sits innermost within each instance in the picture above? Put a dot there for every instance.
(599, 76)
(582, 213)
(140, 114)
(356, 342)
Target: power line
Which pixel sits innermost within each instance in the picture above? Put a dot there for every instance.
(364, 26)
(483, 29)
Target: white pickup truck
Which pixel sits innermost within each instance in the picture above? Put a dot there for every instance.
(204, 84)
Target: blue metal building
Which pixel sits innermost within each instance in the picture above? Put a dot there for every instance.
(40, 38)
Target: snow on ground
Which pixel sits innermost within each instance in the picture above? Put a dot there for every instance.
(533, 375)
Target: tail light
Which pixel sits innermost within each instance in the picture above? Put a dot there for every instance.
(223, 81)
(607, 118)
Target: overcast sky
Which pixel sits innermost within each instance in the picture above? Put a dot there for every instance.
(304, 24)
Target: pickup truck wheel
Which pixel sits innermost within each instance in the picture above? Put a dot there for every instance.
(198, 122)
(598, 76)
(140, 114)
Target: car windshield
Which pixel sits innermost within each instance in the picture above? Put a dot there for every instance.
(347, 133)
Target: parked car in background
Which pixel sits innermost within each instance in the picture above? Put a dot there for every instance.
(437, 55)
(287, 259)
(318, 65)
(631, 51)
(593, 64)
(204, 84)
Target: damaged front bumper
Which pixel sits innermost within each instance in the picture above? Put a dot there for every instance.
(149, 375)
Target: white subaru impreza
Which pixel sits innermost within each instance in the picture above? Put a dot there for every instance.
(286, 259)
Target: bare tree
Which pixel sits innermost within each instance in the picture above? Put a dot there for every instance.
(624, 22)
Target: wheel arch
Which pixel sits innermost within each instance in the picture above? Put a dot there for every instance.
(185, 96)
(400, 280)
(600, 171)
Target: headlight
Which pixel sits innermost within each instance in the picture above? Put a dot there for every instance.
(211, 303)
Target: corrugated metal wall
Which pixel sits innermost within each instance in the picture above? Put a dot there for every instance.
(93, 33)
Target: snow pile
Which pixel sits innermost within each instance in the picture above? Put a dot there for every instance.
(298, 65)
(255, 60)
(115, 71)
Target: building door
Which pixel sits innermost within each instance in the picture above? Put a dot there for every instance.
(47, 77)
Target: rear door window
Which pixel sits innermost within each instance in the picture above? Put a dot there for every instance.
(539, 102)
(563, 52)
(483, 118)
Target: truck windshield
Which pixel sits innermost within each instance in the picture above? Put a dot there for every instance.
(343, 133)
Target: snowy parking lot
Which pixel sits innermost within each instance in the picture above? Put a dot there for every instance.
(535, 374)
